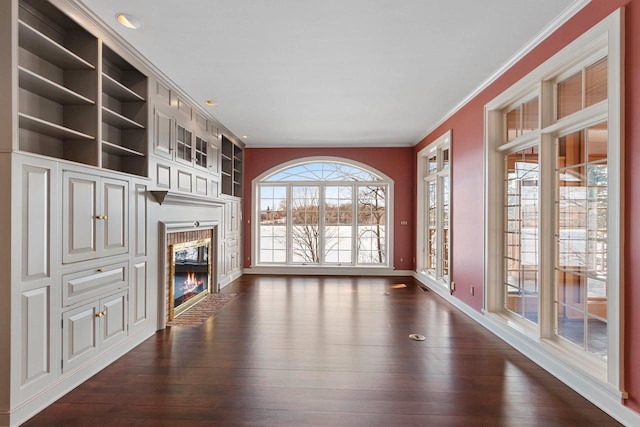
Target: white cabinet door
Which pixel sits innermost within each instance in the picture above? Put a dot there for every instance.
(95, 217)
(232, 218)
(91, 328)
(115, 210)
(79, 217)
(113, 322)
(162, 142)
(79, 335)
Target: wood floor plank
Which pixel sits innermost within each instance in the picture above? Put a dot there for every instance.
(324, 351)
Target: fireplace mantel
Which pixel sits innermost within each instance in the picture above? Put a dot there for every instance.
(175, 198)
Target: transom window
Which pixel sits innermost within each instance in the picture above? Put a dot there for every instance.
(323, 212)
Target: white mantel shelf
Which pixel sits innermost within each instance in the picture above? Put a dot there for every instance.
(174, 198)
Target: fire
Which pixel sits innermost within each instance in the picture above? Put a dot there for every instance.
(191, 279)
(192, 282)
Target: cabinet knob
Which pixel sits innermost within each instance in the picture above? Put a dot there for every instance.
(100, 314)
(101, 217)
(100, 270)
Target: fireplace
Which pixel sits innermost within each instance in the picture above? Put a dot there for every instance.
(188, 264)
(190, 276)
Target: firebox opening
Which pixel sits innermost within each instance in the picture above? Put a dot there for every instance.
(190, 274)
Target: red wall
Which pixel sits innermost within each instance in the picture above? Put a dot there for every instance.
(467, 173)
(397, 163)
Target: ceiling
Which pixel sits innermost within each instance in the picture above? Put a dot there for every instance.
(292, 73)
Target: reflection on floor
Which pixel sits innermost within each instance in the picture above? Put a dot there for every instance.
(325, 351)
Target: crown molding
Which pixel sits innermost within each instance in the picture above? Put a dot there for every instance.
(82, 14)
(554, 25)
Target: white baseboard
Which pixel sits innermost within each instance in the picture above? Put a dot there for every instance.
(595, 391)
(328, 271)
(71, 380)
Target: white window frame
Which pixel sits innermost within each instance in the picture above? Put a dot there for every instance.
(423, 176)
(389, 203)
(606, 37)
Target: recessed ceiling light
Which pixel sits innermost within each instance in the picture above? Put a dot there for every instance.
(129, 21)
(245, 136)
(210, 103)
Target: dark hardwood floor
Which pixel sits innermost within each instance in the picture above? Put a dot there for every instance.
(327, 351)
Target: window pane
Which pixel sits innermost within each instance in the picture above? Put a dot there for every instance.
(338, 224)
(445, 158)
(273, 224)
(445, 227)
(597, 141)
(513, 124)
(432, 222)
(595, 84)
(371, 224)
(521, 257)
(530, 116)
(570, 95)
(581, 270)
(570, 324)
(433, 164)
(323, 171)
(305, 236)
(571, 151)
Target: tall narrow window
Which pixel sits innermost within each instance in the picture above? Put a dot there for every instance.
(273, 224)
(435, 210)
(305, 220)
(338, 223)
(554, 268)
(371, 224)
(581, 233)
(323, 212)
(521, 212)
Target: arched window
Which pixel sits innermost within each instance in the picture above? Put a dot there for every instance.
(322, 212)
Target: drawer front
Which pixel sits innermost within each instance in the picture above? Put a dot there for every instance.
(89, 283)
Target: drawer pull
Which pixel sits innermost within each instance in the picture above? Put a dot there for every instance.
(101, 217)
(100, 314)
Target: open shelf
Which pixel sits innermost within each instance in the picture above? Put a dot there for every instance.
(114, 88)
(51, 129)
(124, 115)
(111, 148)
(231, 168)
(49, 89)
(118, 120)
(49, 50)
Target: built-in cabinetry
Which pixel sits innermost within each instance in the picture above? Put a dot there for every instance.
(232, 251)
(94, 216)
(186, 146)
(89, 132)
(81, 297)
(124, 115)
(75, 104)
(231, 160)
(58, 85)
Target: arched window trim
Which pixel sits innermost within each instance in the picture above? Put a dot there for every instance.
(389, 202)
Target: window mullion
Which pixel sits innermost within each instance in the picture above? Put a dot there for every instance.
(439, 226)
(547, 238)
(321, 221)
(354, 224)
(289, 224)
